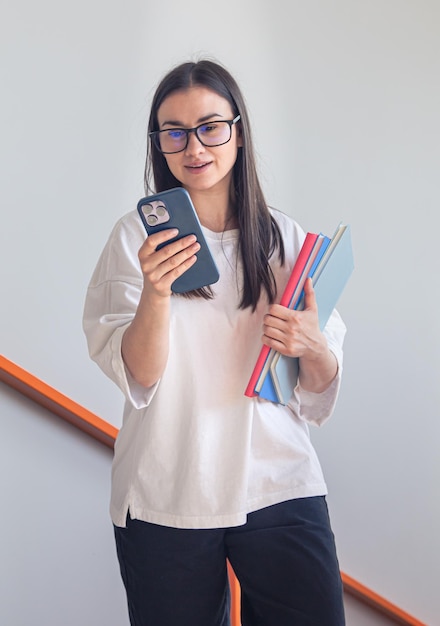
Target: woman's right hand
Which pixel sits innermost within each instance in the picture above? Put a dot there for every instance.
(145, 343)
(160, 268)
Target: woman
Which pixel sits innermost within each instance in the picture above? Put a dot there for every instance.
(202, 473)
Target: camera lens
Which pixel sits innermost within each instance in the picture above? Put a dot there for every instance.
(152, 219)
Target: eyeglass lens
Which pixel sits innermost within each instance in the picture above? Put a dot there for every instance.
(212, 134)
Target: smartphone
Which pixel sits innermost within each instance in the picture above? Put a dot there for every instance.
(174, 209)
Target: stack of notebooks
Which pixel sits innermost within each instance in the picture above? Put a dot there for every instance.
(329, 263)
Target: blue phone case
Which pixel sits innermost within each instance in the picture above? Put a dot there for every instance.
(174, 209)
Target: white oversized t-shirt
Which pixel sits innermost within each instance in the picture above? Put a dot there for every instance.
(193, 451)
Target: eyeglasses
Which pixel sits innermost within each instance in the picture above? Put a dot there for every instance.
(209, 134)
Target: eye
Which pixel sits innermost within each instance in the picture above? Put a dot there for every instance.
(206, 129)
(177, 133)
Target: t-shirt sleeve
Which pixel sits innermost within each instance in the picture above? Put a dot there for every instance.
(111, 301)
(317, 408)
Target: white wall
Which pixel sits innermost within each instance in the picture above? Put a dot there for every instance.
(345, 98)
(58, 559)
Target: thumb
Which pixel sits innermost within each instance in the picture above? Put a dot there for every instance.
(309, 296)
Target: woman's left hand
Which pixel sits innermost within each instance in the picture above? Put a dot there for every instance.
(297, 334)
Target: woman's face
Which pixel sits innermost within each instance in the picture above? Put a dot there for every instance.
(200, 168)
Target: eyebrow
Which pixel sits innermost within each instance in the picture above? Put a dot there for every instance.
(205, 118)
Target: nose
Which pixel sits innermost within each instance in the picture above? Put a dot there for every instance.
(194, 145)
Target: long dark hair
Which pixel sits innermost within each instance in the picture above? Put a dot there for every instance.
(259, 232)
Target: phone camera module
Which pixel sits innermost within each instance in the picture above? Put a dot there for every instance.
(155, 213)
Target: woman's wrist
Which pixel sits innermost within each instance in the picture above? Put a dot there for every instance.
(317, 374)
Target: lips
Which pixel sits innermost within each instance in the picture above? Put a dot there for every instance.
(198, 167)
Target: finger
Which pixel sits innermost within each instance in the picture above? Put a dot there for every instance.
(184, 244)
(173, 261)
(155, 264)
(279, 311)
(273, 321)
(160, 276)
(161, 237)
(179, 267)
(152, 248)
(309, 296)
(274, 334)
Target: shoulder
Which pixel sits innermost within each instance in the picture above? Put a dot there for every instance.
(128, 229)
(119, 258)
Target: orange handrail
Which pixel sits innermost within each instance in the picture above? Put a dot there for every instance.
(234, 586)
(61, 405)
(373, 599)
(48, 397)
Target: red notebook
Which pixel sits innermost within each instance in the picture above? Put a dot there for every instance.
(286, 298)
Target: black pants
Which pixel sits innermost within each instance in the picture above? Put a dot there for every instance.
(284, 558)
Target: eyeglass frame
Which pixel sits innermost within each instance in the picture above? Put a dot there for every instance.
(154, 134)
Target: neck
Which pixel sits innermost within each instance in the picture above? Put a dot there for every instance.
(215, 212)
